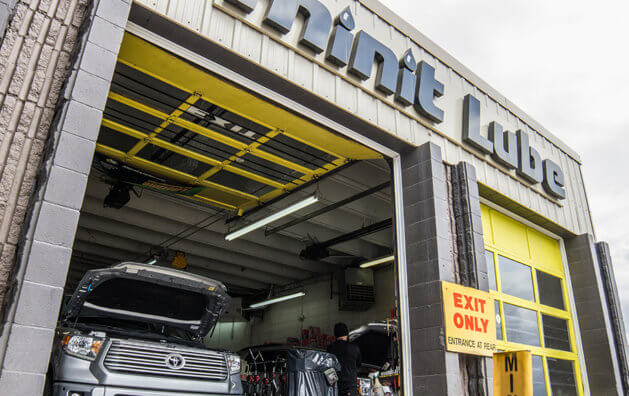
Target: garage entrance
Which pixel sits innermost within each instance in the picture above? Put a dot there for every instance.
(297, 221)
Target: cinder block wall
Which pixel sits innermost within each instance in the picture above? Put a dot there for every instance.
(56, 64)
(35, 61)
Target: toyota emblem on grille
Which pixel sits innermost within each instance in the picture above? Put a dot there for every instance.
(175, 361)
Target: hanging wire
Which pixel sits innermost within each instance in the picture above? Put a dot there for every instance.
(214, 218)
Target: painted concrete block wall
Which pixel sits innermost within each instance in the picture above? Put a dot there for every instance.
(430, 260)
(599, 348)
(247, 36)
(52, 212)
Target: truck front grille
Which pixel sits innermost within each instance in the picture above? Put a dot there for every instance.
(155, 360)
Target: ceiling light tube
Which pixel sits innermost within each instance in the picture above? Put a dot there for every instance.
(269, 219)
(377, 261)
(276, 300)
(152, 261)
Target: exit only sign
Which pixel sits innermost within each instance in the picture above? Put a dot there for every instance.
(470, 320)
(513, 374)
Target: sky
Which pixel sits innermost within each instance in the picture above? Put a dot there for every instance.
(564, 63)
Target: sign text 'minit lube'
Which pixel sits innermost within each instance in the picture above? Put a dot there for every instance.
(412, 83)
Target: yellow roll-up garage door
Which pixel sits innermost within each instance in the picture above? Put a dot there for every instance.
(528, 281)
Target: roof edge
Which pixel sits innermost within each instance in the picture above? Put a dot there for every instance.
(435, 50)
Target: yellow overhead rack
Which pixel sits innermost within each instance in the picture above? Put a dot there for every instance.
(174, 120)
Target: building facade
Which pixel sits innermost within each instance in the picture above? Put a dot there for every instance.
(484, 195)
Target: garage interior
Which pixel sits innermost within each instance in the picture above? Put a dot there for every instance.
(186, 162)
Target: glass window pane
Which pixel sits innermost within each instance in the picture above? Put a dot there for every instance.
(539, 384)
(515, 278)
(561, 374)
(498, 321)
(550, 291)
(521, 325)
(556, 333)
(491, 270)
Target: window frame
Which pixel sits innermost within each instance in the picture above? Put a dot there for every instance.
(567, 314)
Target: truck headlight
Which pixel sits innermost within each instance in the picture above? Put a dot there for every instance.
(233, 362)
(84, 347)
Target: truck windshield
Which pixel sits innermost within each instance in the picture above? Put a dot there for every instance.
(133, 328)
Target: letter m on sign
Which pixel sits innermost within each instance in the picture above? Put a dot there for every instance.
(511, 362)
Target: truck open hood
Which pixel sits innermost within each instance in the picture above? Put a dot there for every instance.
(149, 294)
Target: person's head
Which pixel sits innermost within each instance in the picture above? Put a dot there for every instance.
(341, 331)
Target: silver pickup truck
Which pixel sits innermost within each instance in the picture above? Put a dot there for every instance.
(136, 330)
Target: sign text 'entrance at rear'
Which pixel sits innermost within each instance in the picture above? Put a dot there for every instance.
(469, 319)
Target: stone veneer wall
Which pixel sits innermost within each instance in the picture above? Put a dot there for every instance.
(35, 61)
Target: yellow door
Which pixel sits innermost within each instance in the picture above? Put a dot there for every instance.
(527, 279)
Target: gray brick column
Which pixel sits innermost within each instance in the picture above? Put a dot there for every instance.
(594, 318)
(615, 311)
(45, 246)
(429, 261)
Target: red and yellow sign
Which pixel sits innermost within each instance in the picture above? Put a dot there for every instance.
(470, 320)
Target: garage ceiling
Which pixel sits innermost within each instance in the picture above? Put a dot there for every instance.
(200, 151)
(247, 264)
(176, 121)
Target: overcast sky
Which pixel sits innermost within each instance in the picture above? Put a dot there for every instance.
(566, 64)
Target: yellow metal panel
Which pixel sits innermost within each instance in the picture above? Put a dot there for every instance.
(209, 133)
(213, 202)
(545, 252)
(179, 111)
(509, 235)
(188, 153)
(156, 62)
(174, 174)
(488, 232)
(199, 84)
(242, 153)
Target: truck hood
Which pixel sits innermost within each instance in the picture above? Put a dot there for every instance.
(149, 294)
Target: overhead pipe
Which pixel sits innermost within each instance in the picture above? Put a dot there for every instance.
(295, 190)
(317, 249)
(328, 208)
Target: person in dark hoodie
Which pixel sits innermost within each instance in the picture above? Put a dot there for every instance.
(349, 357)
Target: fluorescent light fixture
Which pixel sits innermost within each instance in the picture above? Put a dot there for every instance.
(276, 216)
(152, 261)
(377, 261)
(276, 300)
